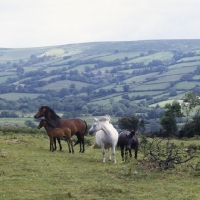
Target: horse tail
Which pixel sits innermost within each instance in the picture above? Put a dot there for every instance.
(86, 127)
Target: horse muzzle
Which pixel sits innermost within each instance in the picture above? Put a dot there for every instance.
(91, 132)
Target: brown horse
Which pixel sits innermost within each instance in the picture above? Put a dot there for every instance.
(77, 126)
(56, 133)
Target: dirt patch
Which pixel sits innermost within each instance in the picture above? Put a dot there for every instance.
(12, 141)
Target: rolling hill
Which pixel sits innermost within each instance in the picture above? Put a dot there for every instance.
(153, 71)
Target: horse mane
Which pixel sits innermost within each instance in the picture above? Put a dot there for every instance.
(104, 118)
(49, 124)
(53, 114)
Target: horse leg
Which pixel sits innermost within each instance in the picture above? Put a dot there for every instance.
(122, 152)
(54, 141)
(80, 146)
(83, 143)
(126, 154)
(78, 141)
(68, 142)
(51, 143)
(58, 139)
(130, 154)
(71, 146)
(103, 154)
(51, 146)
(113, 152)
(109, 154)
(136, 150)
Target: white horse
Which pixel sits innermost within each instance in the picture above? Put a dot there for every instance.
(106, 135)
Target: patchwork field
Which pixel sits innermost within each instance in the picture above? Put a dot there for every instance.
(143, 65)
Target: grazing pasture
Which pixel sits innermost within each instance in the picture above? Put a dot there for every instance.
(155, 86)
(16, 96)
(184, 64)
(149, 58)
(59, 85)
(186, 85)
(29, 171)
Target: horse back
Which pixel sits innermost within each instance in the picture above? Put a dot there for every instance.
(75, 125)
(124, 135)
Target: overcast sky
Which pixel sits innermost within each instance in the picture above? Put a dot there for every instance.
(35, 23)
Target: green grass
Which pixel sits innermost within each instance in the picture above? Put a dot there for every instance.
(16, 96)
(156, 56)
(186, 85)
(20, 53)
(163, 103)
(167, 78)
(194, 58)
(197, 77)
(29, 171)
(81, 68)
(53, 52)
(160, 86)
(182, 70)
(96, 56)
(140, 78)
(63, 84)
(185, 64)
(4, 78)
(19, 121)
(116, 56)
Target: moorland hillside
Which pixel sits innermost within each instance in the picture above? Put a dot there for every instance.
(118, 78)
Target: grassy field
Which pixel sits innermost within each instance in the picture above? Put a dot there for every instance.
(16, 96)
(65, 83)
(163, 103)
(28, 170)
(147, 59)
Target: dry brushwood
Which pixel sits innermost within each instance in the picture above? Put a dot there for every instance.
(163, 154)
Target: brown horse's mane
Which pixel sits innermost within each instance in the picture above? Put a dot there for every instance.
(53, 114)
(49, 124)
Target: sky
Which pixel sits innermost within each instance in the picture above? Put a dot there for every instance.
(38, 23)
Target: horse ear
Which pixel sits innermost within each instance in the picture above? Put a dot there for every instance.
(95, 119)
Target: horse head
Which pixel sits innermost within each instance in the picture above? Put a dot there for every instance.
(47, 112)
(41, 112)
(95, 127)
(41, 124)
(99, 124)
(45, 123)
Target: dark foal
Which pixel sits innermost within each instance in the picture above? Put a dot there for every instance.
(57, 133)
(128, 140)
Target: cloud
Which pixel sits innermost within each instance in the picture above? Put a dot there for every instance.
(55, 22)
